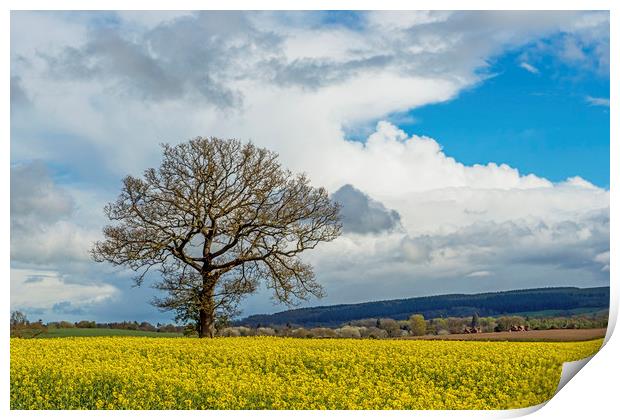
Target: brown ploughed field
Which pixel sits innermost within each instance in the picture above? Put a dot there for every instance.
(533, 335)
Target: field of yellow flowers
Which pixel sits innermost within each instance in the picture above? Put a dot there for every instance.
(284, 373)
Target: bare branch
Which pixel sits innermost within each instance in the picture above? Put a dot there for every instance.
(217, 218)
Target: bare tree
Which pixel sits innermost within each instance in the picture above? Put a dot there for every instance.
(18, 318)
(215, 219)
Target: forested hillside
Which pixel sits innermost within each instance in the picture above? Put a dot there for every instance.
(485, 304)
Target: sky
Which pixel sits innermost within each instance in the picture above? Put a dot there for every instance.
(469, 150)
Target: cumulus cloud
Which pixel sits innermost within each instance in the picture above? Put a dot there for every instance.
(42, 231)
(391, 163)
(362, 214)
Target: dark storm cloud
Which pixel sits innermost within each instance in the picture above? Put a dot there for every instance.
(362, 214)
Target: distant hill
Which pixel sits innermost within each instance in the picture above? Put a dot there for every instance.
(485, 304)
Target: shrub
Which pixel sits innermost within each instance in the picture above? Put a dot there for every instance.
(391, 326)
(145, 326)
(301, 333)
(348, 331)
(265, 331)
(404, 325)
(368, 322)
(229, 332)
(21, 327)
(245, 331)
(168, 328)
(487, 324)
(417, 325)
(323, 332)
(456, 325)
(505, 322)
(373, 332)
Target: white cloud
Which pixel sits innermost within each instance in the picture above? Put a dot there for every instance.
(43, 228)
(391, 164)
(481, 273)
(577, 181)
(391, 20)
(53, 31)
(603, 259)
(62, 241)
(51, 289)
(150, 19)
(597, 101)
(529, 68)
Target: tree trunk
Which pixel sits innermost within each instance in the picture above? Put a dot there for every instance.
(207, 324)
(207, 309)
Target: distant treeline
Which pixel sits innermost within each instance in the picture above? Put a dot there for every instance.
(457, 305)
(417, 325)
(125, 325)
(22, 327)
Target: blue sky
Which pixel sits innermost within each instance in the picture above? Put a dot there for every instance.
(541, 123)
(480, 140)
(545, 120)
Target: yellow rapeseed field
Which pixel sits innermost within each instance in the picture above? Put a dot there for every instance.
(284, 373)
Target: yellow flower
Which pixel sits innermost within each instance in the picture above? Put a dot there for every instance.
(284, 373)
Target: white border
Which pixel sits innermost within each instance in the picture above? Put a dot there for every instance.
(592, 395)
